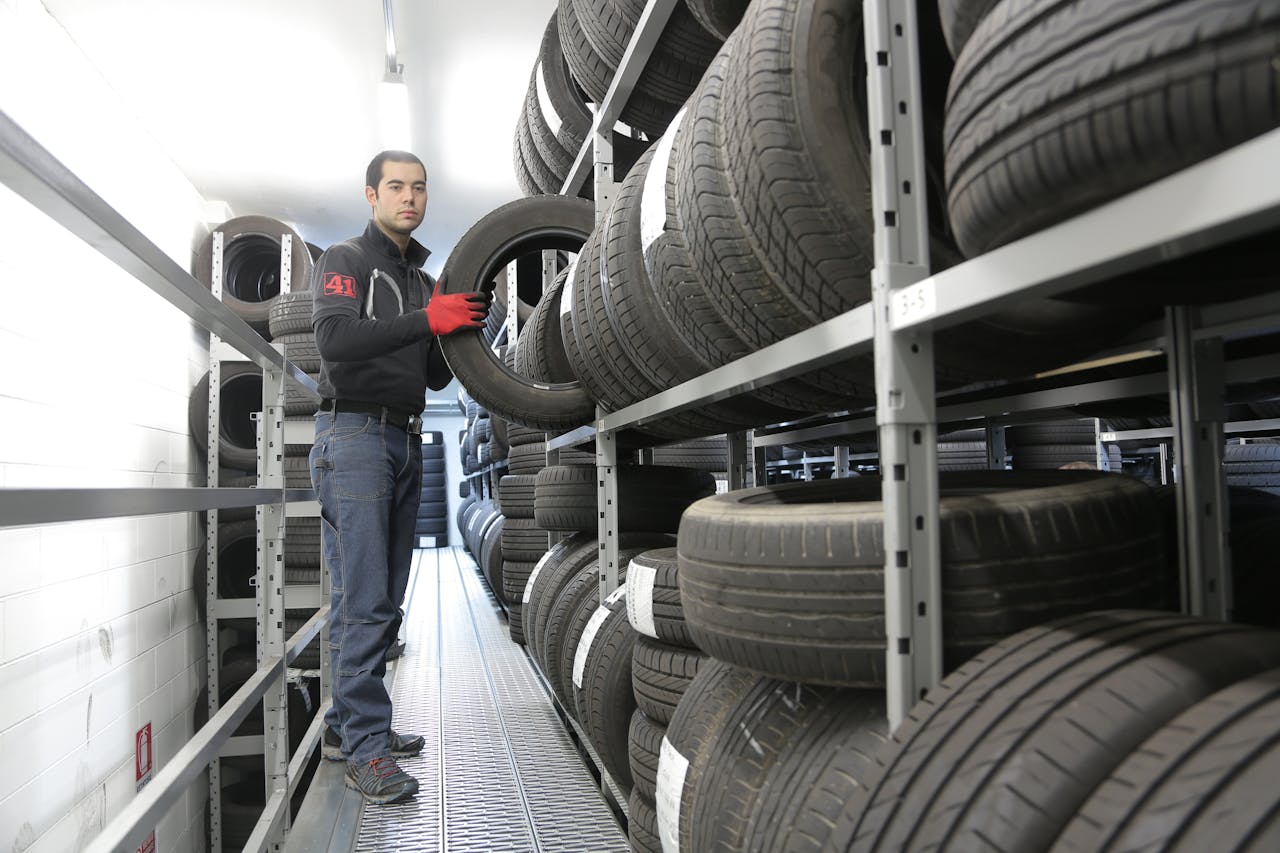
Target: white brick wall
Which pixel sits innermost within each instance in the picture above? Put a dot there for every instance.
(98, 627)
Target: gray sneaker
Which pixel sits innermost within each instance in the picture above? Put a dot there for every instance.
(380, 780)
(402, 746)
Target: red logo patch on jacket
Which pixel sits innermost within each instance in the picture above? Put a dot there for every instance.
(336, 284)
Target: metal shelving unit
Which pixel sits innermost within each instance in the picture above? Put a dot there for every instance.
(36, 175)
(1233, 195)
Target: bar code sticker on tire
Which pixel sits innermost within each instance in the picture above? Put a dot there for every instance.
(653, 194)
(640, 581)
(566, 292)
(915, 302)
(672, 768)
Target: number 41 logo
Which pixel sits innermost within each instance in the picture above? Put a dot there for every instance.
(336, 284)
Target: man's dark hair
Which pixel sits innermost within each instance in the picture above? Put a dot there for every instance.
(373, 175)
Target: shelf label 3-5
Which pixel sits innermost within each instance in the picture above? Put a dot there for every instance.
(914, 303)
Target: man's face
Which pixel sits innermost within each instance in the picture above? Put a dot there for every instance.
(400, 197)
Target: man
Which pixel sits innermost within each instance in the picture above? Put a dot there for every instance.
(377, 317)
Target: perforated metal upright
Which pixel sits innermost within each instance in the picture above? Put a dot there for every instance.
(212, 658)
(905, 411)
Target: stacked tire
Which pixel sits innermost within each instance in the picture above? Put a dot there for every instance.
(431, 529)
(1049, 445)
(782, 586)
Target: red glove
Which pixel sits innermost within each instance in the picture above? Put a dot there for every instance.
(449, 312)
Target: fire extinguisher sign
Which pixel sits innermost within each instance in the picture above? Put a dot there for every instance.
(148, 846)
(142, 757)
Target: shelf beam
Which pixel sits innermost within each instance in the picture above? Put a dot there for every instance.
(24, 507)
(32, 172)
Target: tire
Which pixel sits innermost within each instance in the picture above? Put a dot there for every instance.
(237, 558)
(1203, 782)
(548, 222)
(291, 313)
(523, 539)
(1004, 752)
(818, 771)
(644, 739)
(516, 495)
(602, 684)
(309, 658)
(541, 354)
(518, 435)
(240, 396)
(515, 575)
(1057, 107)
(685, 751)
(737, 286)
(1050, 456)
(702, 454)
(515, 622)
(660, 675)
(1062, 432)
(251, 266)
(769, 722)
(560, 565)
(960, 18)
(761, 154)
(642, 825)
(301, 350)
(527, 459)
(302, 543)
(653, 598)
(490, 559)
(298, 402)
(566, 619)
(650, 497)
(718, 17)
(1018, 548)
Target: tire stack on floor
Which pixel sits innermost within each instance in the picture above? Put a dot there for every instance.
(665, 660)
(431, 530)
(793, 699)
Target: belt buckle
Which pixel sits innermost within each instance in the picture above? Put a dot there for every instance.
(414, 426)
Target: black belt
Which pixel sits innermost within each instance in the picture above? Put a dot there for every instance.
(410, 423)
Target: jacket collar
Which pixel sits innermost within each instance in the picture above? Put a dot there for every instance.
(416, 254)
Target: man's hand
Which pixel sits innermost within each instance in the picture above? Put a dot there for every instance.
(449, 312)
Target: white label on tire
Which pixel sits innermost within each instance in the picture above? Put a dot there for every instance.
(653, 195)
(640, 598)
(566, 292)
(584, 645)
(544, 101)
(672, 768)
(533, 576)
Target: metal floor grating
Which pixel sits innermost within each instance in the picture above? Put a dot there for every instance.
(499, 772)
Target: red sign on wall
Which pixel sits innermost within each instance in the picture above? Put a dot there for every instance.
(142, 757)
(148, 846)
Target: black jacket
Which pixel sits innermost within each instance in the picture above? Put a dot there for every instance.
(371, 330)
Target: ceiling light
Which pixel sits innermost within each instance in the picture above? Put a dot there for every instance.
(393, 113)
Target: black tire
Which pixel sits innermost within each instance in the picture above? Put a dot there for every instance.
(698, 720)
(291, 313)
(546, 222)
(309, 658)
(736, 286)
(302, 542)
(660, 675)
(718, 17)
(1056, 433)
(1206, 781)
(1049, 456)
(518, 435)
(960, 18)
(527, 459)
(769, 722)
(602, 684)
(515, 623)
(298, 402)
(561, 564)
(515, 495)
(653, 598)
(541, 354)
(1056, 107)
(523, 539)
(644, 739)
(702, 454)
(237, 559)
(251, 266)
(762, 152)
(515, 575)
(1018, 548)
(819, 770)
(297, 472)
(566, 619)
(642, 825)
(301, 350)
(490, 559)
(240, 396)
(650, 497)
(1004, 752)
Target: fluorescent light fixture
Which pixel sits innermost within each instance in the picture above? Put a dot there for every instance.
(393, 113)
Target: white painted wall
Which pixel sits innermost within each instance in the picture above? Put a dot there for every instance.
(98, 628)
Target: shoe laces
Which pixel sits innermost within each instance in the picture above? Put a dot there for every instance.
(384, 767)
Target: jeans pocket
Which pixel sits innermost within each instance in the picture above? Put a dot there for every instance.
(359, 464)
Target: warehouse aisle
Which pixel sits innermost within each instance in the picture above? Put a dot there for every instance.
(499, 772)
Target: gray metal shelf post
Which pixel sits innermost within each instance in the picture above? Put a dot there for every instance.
(904, 362)
(737, 460)
(607, 502)
(1196, 381)
(212, 658)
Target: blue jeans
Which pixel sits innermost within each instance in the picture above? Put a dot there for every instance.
(368, 477)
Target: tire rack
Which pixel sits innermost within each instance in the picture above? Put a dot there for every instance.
(1210, 203)
(33, 173)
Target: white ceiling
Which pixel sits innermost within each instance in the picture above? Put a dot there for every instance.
(272, 106)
